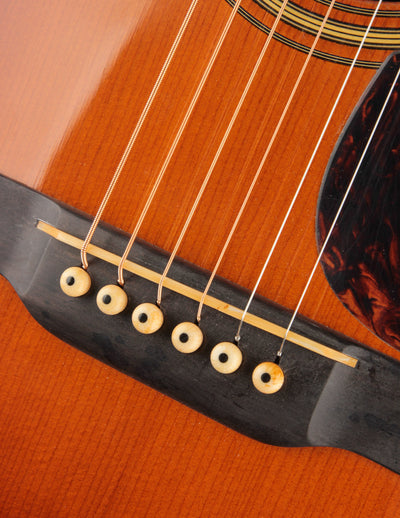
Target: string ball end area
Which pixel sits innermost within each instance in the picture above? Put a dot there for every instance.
(75, 281)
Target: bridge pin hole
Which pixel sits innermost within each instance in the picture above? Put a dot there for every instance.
(223, 358)
(265, 377)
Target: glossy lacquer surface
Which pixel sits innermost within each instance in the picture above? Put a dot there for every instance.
(79, 438)
(361, 258)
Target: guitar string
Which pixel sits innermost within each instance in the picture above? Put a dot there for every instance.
(176, 141)
(280, 351)
(305, 174)
(262, 163)
(218, 153)
(135, 133)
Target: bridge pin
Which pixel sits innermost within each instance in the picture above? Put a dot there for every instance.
(112, 299)
(268, 377)
(75, 281)
(147, 318)
(187, 337)
(226, 357)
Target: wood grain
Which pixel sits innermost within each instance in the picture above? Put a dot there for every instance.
(79, 439)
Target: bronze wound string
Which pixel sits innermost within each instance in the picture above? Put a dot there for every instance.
(265, 156)
(135, 133)
(215, 160)
(176, 141)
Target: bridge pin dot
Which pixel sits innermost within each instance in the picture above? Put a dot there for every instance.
(268, 377)
(147, 318)
(75, 281)
(226, 357)
(112, 299)
(187, 337)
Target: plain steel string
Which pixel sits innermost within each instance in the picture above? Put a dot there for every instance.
(175, 143)
(279, 353)
(222, 144)
(135, 133)
(237, 337)
(259, 170)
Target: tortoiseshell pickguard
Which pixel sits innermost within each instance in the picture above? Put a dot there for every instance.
(362, 257)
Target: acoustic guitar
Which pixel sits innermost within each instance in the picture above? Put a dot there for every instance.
(272, 138)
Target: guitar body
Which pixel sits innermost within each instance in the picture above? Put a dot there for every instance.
(77, 437)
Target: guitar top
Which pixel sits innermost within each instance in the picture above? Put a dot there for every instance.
(81, 438)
